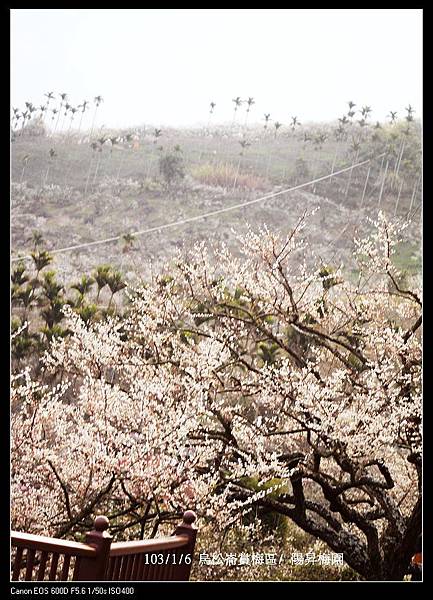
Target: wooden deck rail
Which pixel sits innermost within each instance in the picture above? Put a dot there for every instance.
(40, 558)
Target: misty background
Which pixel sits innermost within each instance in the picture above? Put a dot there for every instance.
(165, 66)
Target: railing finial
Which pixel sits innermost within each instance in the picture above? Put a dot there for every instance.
(101, 523)
(189, 517)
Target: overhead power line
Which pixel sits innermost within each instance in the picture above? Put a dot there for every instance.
(205, 215)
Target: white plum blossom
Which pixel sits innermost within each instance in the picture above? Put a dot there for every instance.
(232, 382)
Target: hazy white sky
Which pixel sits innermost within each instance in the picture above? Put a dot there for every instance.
(164, 66)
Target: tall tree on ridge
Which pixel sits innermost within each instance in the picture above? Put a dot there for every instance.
(83, 110)
(63, 98)
(52, 154)
(237, 102)
(393, 116)
(212, 107)
(97, 100)
(250, 102)
(277, 126)
(72, 111)
(295, 123)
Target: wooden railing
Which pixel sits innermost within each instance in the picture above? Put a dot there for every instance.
(39, 558)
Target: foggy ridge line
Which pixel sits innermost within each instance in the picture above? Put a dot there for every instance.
(208, 214)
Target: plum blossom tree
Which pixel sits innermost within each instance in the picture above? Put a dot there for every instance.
(231, 368)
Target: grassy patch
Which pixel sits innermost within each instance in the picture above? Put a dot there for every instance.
(407, 258)
(226, 175)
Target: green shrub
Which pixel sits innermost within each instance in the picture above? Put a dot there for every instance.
(171, 168)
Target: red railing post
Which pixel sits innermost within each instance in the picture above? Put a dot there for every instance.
(186, 528)
(94, 569)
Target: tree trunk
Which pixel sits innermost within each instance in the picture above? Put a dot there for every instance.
(88, 174)
(397, 559)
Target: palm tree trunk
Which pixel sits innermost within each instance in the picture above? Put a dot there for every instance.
(246, 119)
(58, 117)
(48, 106)
(398, 157)
(50, 135)
(383, 183)
(333, 164)
(97, 169)
(233, 121)
(63, 122)
(149, 164)
(93, 122)
(237, 173)
(398, 198)
(365, 187)
(81, 120)
(67, 172)
(88, 175)
(268, 165)
(399, 160)
(70, 125)
(350, 174)
(46, 176)
(122, 158)
(381, 166)
(415, 189)
(356, 160)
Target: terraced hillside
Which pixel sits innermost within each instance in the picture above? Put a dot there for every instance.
(75, 191)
